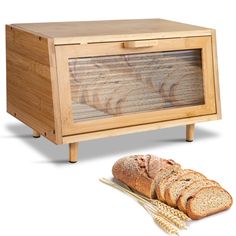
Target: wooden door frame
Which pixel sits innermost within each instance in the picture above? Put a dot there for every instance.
(64, 52)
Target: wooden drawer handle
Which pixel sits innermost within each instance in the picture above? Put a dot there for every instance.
(140, 44)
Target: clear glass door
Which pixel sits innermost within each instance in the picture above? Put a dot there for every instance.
(108, 86)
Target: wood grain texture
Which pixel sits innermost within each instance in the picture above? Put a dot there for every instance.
(115, 30)
(63, 53)
(140, 44)
(55, 92)
(123, 84)
(190, 132)
(216, 74)
(126, 92)
(135, 129)
(73, 152)
(29, 90)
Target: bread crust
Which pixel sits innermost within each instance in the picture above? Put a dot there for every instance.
(181, 202)
(165, 172)
(139, 172)
(194, 216)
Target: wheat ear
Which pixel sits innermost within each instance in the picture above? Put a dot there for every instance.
(168, 216)
(172, 210)
(168, 211)
(156, 209)
(162, 222)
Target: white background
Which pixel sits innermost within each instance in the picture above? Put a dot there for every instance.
(41, 194)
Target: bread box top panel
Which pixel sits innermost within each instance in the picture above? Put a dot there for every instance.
(115, 30)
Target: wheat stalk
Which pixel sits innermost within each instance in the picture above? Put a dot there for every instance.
(162, 222)
(177, 217)
(168, 216)
(155, 208)
(162, 206)
(172, 210)
(125, 190)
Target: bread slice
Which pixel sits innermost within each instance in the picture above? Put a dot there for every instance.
(173, 191)
(140, 171)
(208, 201)
(166, 172)
(191, 190)
(169, 179)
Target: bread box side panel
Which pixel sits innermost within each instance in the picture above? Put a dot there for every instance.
(216, 74)
(29, 88)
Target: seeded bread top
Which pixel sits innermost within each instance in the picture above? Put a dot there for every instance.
(139, 171)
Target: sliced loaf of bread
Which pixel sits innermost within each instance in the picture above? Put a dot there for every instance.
(172, 193)
(139, 172)
(208, 201)
(167, 181)
(191, 190)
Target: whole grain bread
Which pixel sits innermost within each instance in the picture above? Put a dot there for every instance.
(163, 173)
(191, 190)
(208, 201)
(172, 193)
(140, 172)
(167, 181)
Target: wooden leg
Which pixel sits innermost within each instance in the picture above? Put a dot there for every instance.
(189, 132)
(73, 157)
(36, 134)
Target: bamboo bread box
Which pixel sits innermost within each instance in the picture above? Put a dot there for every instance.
(75, 81)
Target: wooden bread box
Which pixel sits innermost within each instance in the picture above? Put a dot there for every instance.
(75, 81)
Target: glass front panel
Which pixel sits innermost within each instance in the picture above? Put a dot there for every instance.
(106, 86)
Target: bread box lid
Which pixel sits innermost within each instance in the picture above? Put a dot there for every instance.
(109, 31)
